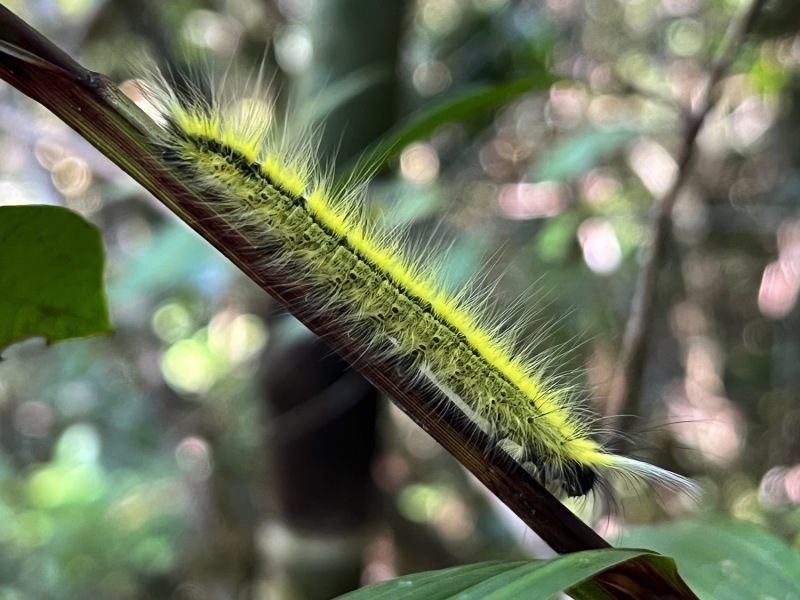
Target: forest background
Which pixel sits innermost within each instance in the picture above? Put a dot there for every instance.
(171, 459)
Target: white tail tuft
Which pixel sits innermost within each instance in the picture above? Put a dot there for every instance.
(679, 484)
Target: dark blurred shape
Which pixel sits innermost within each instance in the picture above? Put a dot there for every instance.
(323, 437)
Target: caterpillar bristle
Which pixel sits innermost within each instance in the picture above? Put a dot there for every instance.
(627, 467)
(272, 189)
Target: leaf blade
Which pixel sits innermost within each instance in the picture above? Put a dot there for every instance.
(533, 580)
(455, 107)
(51, 275)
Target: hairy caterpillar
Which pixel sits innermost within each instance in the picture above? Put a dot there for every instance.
(273, 190)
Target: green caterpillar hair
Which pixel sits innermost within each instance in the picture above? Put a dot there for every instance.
(273, 191)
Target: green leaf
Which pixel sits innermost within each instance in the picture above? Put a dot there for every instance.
(338, 94)
(532, 580)
(51, 275)
(148, 273)
(459, 106)
(719, 558)
(575, 155)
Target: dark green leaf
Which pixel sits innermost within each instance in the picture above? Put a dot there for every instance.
(726, 559)
(51, 275)
(532, 580)
(457, 107)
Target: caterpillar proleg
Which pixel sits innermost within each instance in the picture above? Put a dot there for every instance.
(273, 190)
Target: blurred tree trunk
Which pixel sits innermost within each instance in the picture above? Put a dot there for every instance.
(348, 37)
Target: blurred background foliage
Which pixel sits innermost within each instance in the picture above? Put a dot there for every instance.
(142, 465)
